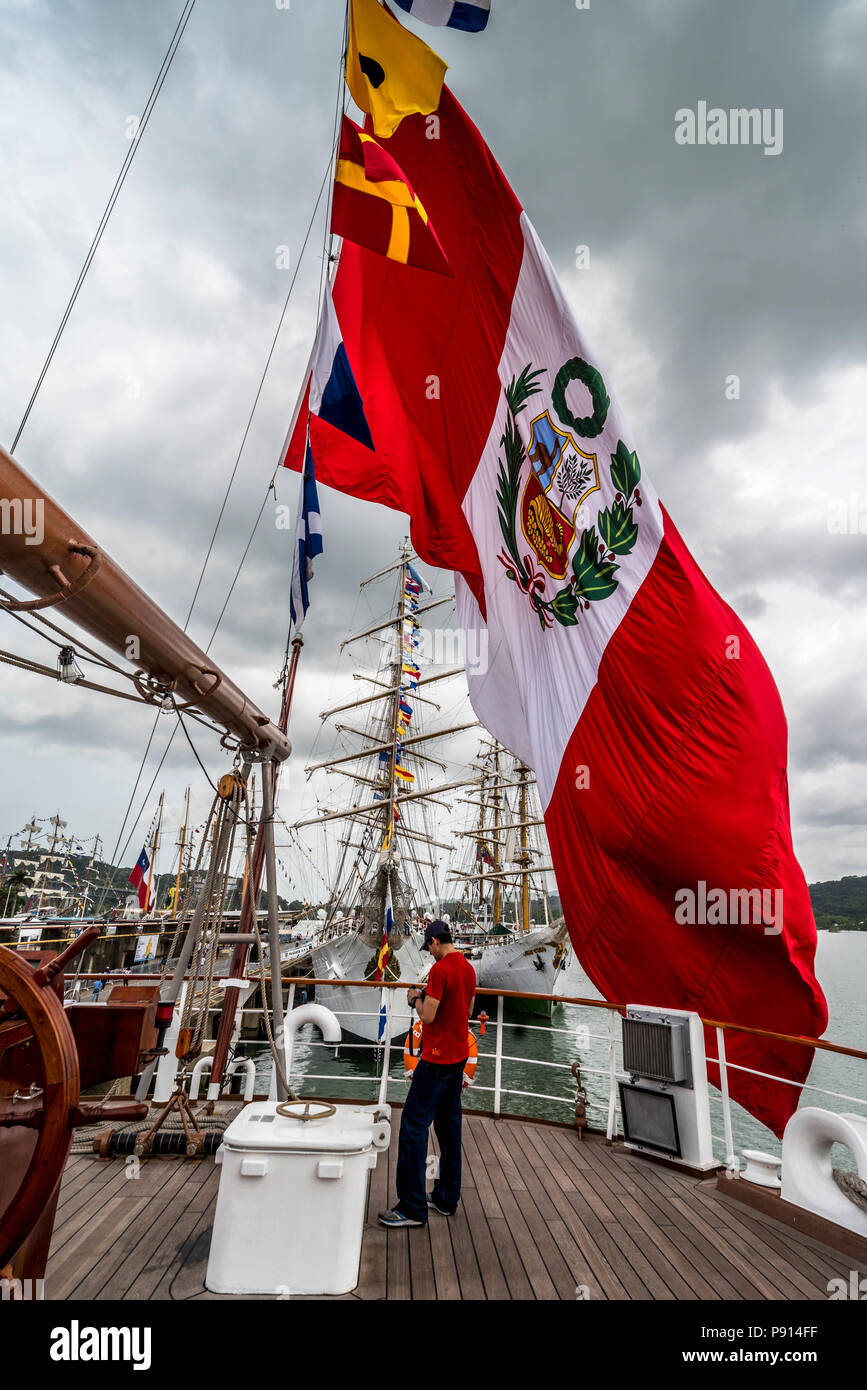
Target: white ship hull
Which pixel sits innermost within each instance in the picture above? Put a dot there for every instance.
(532, 962)
(346, 958)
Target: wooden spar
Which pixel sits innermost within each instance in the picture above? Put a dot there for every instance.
(383, 747)
(249, 905)
(43, 549)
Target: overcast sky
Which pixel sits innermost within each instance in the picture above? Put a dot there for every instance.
(704, 263)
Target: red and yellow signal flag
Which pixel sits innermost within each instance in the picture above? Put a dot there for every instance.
(376, 206)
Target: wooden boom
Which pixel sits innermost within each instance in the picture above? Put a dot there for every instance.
(49, 554)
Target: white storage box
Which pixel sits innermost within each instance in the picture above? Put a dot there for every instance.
(290, 1209)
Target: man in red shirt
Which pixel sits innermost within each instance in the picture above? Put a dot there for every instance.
(435, 1094)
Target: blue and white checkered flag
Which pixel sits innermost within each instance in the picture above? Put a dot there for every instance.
(470, 15)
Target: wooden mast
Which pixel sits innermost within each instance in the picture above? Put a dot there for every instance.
(182, 843)
(395, 712)
(154, 848)
(250, 902)
(97, 843)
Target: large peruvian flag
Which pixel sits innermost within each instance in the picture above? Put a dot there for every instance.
(613, 668)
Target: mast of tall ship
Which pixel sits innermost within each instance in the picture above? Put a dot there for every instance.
(262, 858)
(491, 787)
(389, 693)
(85, 897)
(32, 829)
(495, 797)
(396, 692)
(154, 846)
(58, 824)
(523, 772)
(181, 846)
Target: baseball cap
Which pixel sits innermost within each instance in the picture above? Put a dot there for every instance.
(435, 931)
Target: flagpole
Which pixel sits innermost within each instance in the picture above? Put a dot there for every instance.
(154, 853)
(250, 901)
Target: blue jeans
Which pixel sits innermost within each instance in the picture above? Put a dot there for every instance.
(434, 1098)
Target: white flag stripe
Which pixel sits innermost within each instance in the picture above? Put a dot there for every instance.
(536, 683)
(328, 340)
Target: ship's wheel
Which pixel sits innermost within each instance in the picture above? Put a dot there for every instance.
(39, 1093)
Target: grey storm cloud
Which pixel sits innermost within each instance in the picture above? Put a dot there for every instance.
(704, 263)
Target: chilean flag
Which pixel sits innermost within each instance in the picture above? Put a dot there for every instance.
(139, 879)
(613, 668)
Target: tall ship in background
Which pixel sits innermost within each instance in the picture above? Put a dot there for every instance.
(385, 872)
(505, 878)
(40, 878)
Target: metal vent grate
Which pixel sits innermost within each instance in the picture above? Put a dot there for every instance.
(653, 1049)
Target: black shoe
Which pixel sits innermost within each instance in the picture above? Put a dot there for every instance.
(434, 1206)
(395, 1219)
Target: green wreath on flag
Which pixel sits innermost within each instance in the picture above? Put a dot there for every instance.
(615, 531)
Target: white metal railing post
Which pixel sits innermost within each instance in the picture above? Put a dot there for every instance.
(248, 1066)
(612, 1079)
(386, 1059)
(731, 1156)
(202, 1065)
(498, 1056)
(288, 1040)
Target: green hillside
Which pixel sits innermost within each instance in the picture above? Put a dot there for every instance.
(840, 904)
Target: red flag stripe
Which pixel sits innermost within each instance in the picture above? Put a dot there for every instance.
(687, 782)
(437, 396)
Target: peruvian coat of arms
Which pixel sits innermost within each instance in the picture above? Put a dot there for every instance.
(547, 505)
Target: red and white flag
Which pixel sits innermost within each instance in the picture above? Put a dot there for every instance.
(609, 664)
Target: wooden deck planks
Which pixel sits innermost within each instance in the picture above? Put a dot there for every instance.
(543, 1216)
(128, 1242)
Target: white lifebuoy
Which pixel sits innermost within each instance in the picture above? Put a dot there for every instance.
(808, 1179)
(412, 1053)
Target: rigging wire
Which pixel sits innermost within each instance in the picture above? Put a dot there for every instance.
(271, 484)
(93, 657)
(243, 558)
(109, 208)
(207, 557)
(150, 104)
(167, 62)
(109, 882)
(254, 407)
(208, 777)
(327, 257)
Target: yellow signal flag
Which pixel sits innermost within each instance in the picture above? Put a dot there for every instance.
(389, 71)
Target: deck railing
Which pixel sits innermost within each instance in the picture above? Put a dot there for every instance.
(596, 1053)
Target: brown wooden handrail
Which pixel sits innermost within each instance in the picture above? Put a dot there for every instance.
(306, 980)
(789, 1038)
